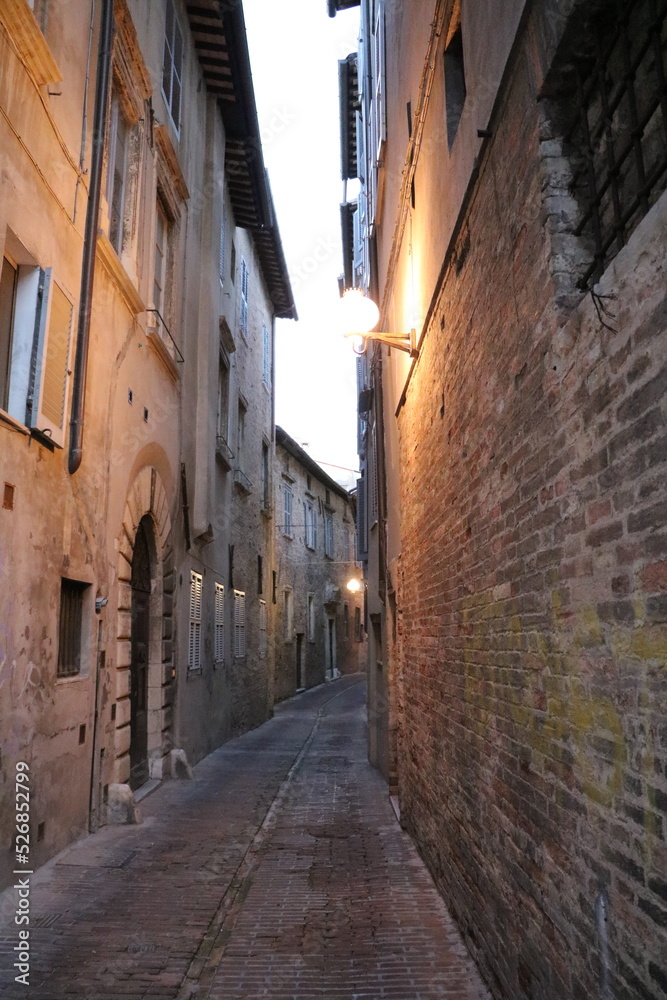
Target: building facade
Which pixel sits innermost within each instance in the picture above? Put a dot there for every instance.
(319, 632)
(512, 211)
(137, 400)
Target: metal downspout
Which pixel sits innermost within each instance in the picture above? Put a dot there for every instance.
(90, 237)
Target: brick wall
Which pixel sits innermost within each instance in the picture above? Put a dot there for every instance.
(533, 592)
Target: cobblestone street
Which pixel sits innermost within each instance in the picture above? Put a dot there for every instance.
(280, 872)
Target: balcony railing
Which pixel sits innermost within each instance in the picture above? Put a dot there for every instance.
(165, 336)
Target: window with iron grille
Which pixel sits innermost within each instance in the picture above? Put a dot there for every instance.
(614, 101)
(70, 627)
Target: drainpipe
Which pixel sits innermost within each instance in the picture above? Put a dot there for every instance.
(90, 237)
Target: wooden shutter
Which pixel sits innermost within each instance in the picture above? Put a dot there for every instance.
(239, 623)
(48, 396)
(194, 639)
(219, 622)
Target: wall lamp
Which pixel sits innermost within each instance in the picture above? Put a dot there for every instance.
(360, 315)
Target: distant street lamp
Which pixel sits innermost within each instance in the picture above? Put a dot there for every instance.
(359, 315)
(354, 585)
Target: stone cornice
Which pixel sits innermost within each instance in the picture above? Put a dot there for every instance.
(131, 75)
(28, 41)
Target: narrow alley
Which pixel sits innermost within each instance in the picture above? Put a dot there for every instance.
(281, 871)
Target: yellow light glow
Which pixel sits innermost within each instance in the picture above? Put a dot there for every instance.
(354, 585)
(359, 314)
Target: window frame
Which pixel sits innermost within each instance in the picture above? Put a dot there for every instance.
(263, 628)
(243, 318)
(311, 525)
(328, 535)
(169, 48)
(77, 592)
(288, 508)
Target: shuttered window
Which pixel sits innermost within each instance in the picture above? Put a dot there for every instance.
(244, 297)
(219, 623)
(262, 628)
(266, 369)
(328, 536)
(311, 617)
(288, 616)
(53, 381)
(194, 636)
(287, 510)
(239, 624)
(311, 525)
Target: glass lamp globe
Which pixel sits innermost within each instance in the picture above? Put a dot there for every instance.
(360, 314)
(353, 585)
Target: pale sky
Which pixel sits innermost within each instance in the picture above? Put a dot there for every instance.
(294, 53)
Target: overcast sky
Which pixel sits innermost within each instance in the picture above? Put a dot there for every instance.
(294, 53)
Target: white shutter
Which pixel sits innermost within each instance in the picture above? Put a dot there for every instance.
(194, 638)
(219, 622)
(379, 82)
(239, 623)
(287, 497)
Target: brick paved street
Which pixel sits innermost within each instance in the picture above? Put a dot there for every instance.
(280, 872)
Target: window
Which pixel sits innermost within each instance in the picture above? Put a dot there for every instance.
(358, 628)
(172, 65)
(260, 575)
(287, 510)
(379, 109)
(70, 627)
(288, 617)
(117, 174)
(346, 543)
(616, 124)
(266, 478)
(266, 366)
(310, 617)
(372, 483)
(160, 273)
(328, 536)
(194, 633)
(262, 628)
(244, 297)
(219, 623)
(232, 263)
(223, 236)
(346, 621)
(239, 624)
(311, 525)
(455, 84)
(35, 343)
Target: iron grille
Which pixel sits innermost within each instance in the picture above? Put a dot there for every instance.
(618, 136)
(69, 635)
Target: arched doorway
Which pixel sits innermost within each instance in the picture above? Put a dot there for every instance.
(140, 651)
